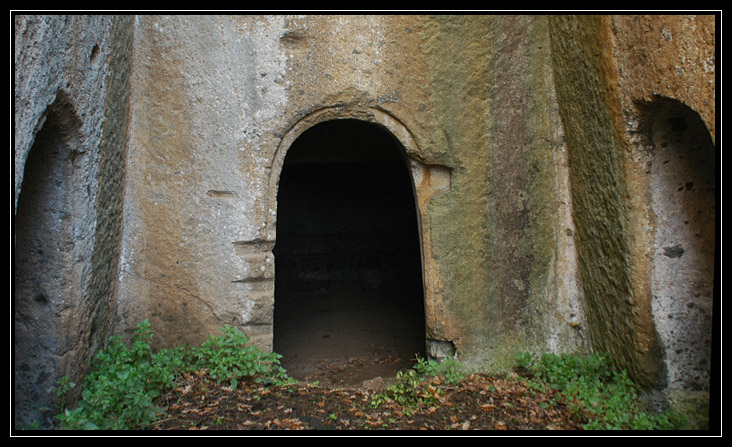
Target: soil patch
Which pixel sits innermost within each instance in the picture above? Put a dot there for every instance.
(346, 335)
(344, 347)
(477, 403)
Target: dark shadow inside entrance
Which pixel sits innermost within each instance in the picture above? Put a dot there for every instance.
(43, 268)
(348, 291)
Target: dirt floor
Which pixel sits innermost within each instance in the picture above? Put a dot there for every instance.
(347, 335)
(478, 403)
(343, 358)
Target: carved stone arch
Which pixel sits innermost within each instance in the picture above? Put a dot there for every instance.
(367, 114)
(52, 232)
(682, 178)
(356, 167)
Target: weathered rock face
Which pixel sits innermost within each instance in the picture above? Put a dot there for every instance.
(476, 117)
(640, 132)
(70, 136)
(504, 249)
(527, 139)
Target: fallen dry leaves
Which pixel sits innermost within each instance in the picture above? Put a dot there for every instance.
(477, 403)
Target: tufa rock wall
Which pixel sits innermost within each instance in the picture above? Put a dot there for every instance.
(639, 119)
(71, 87)
(477, 119)
(535, 146)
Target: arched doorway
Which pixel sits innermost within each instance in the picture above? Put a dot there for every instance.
(348, 281)
(683, 192)
(44, 265)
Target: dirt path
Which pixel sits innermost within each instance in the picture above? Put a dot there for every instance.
(346, 336)
(478, 403)
(344, 344)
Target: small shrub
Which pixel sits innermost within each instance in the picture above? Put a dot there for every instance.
(120, 391)
(412, 387)
(591, 384)
(122, 385)
(452, 370)
(231, 357)
(405, 391)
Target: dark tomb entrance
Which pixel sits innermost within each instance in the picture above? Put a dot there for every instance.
(47, 263)
(349, 302)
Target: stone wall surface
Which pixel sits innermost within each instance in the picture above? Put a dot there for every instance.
(640, 77)
(70, 138)
(666, 78)
(502, 234)
(479, 110)
(530, 141)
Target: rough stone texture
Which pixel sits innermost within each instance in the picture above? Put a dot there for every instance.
(70, 137)
(666, 72)
(532, 143)
(666, 56)
(599, 190)
(682, 184)
(498, 269)
(616, 115)
(500, 234)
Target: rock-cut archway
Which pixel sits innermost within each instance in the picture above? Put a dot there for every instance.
(349, 297)
(50, 246)
(683, 199)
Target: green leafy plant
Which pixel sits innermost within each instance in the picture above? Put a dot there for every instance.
(122, 385)
(414, 386)
(231, 357)
(452, 370)
(64, 386)
(406, 390)
(591, 384)
(120, 391)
